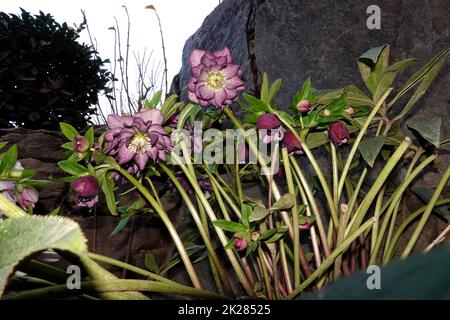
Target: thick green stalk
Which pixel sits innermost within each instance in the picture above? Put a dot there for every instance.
(296, 240)
(9, 209)
(330, 260)
(376, 216)
(426, 214)
(170, 227)
(360, 136)
(396, 198)
(265, 273)
(113, 286)
(382, 177)
(340, 237)
(200, 226)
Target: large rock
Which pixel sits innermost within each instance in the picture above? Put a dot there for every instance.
(293, 40)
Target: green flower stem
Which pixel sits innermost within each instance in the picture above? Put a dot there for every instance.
(219, 199)
(212, 216)
(361, 134)
(123, 265)
(237, 175)
(382, 177)
(225, 196)
(170, 227)
(201, 227)
(265, 273)
(405, 224)
(265, 169)
(376, 216)
(152, 186)
(113, 286)
(318, 171)
(314, 207)
(396, 198)
(296, 240)
(9, 209)
(312, 231)
(426, 214)
(330, 260)
(354, 198)
(334, 165)
(284, 265)
(343, 217)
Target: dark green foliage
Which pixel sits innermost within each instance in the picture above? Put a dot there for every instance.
(46, 76)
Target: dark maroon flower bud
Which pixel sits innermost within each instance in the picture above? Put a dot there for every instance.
(86, 191)
(304, 106)
(307, 225)
(240, 244)
(292, 144)
(268, 121)
(338, 133)
(80, 144)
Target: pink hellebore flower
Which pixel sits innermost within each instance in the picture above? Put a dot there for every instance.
(86, 191)
(215, 80)
(240, 244)
(28, 196)
(7, 190)
(338, 133)
(292, 144)
(80, 144)
(270, 128)
(140, 137)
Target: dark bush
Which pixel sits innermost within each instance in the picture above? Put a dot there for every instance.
(46, 76)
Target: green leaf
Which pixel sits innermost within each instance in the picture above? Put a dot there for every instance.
(153, 103)
(230, 244)
(186, 112)
(280, 232)
(55, 212)
(259, 213)
(372, 54)
(425, 194)
(122, 223)
(286, 201)
(265, 94)
(255, 104)
(430, 130)
(370, 147)
(316, 139)
(107, 185)
(72, 168)
(229, 225)
(371, 64)
(150, 263)
(68, 131)
(267, 234)
(357, 98)
(274, 89)
(3, 144)
(250, 118)
(246, 213)
(67, 146)
(170, 106)
(8, 160)
(90, 136)
(22, 236)
(427, 73)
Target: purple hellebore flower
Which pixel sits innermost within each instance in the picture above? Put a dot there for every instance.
(205, 185)
(86, 191)
(28, 196)
(139, 137)
(240, 244)
(7, 190)
(215, 80)
(304, 106)
(338, 133)
(270, 128)
(292, 144)
(80, 144)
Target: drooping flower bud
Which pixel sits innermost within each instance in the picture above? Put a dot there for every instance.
(292, 144)
(268, 121)
(80, 144)
(240, 244)
(86, 191)
(28, 196)
(307, 225)
(338, 133)
(304, 106)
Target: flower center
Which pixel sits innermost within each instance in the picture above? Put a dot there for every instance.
(140, 143)
(215, 80)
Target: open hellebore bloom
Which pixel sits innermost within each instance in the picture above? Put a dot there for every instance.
(28, 196)
(140, 137)
(270, 128)
(292, 144)
(304, 106)
(80, 144)
(215, 80)
(338, 133)
(86, 191)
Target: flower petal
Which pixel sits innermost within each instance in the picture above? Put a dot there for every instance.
(196, 57)
(125, 154)
(205, 93)
(141, 160)
(153, 115)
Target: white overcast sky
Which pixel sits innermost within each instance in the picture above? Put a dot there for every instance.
(179, 18)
